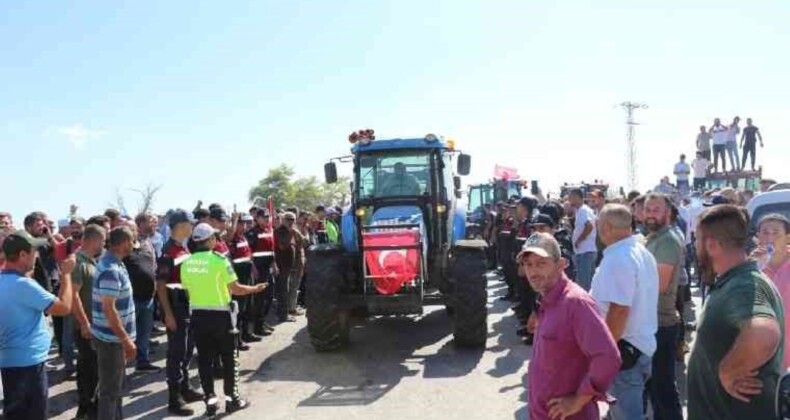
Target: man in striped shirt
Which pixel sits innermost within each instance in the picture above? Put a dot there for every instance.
(113, 327)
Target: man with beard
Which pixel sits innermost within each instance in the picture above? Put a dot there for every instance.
(667, 249)
(575, 358)
(737, 356)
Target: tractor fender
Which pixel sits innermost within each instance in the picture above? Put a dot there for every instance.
(348, 229)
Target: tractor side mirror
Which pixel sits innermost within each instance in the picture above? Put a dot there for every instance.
(464, 164)
(457, 182)
(330, 173)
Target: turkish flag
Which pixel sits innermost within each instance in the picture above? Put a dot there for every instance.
(502, 172)
(392, 268)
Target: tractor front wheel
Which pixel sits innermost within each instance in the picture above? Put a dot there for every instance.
(327, 323)
(470, 298)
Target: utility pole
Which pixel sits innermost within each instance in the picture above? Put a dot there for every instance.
(630, 123)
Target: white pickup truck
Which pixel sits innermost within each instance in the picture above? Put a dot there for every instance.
(766, 203)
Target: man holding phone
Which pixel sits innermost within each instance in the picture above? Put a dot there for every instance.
(25, 342)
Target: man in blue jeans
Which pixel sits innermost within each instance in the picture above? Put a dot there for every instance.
(625, 287)
(667, 248)
(24, 335)
(585, 251)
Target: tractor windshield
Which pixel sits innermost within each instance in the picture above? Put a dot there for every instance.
(394, 173)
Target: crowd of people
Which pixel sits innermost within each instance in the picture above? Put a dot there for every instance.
(100, 284)
(601, 285)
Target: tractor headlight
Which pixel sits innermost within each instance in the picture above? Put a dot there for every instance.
(441, 208)
(360, 212)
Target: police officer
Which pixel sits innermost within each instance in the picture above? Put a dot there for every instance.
(241, 257)
(261, 239)
(209, 279)
(526, 295)
(175, 306)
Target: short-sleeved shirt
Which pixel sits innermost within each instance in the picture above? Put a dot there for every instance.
(732, 133)
(703, 142)
(682, 170)
(141, 266)
(719, 134)
(737, 296)
(700, 166)
(781, 278)
(167, 267)
(206, 276)
(24, 336)
(750, 134)
(667, 248)
(628, 276)
(112, 280)
(583, 215)
(286, 249)
(82, 278)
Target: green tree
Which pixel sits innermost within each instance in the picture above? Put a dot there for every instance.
(303, 192)
(278, 184)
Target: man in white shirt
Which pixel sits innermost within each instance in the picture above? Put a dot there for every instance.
(719, 134)
(732, 143)
(682, 171)
(700, 166)
(625, 287)
(583, 239)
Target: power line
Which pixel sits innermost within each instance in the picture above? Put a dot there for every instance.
(630, 123)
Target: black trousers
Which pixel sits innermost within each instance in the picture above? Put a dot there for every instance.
(213, 337)
(25, 391)
(261, 303)
(87, 376)
(749, 149)
(244, 273)
(180, 344)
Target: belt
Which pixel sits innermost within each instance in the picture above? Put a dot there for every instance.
(241, 260)
(209, 308)
(175, 286)
(263, 254)
(265, 235)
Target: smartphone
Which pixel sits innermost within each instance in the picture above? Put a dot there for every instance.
(534, 190)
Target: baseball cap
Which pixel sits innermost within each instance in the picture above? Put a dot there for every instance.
(716, 199)
(218, 213)
(541, 244)
(290, 216)
(202, 232)
(245, 217)
(542, 219)
(180, 216)
(331, 211)
(21, 241)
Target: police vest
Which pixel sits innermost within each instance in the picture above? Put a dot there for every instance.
(206, 276)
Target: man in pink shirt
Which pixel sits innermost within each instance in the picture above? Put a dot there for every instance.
(773, 257)
(574, 359)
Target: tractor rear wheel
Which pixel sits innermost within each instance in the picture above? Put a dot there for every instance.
(327, 323)
(470, 297)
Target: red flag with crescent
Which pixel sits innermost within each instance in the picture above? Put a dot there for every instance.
(392, 268)
(503, 172)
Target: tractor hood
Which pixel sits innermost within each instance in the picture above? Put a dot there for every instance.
(400, 215)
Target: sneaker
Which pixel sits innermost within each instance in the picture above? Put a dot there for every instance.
(178, 407)
(147, 368)
(212, 406)
(244, 346)
(190, 395)
(251, 338)
(235, 405)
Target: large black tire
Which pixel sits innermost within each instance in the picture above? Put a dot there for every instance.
(327, 323)
(470, 297)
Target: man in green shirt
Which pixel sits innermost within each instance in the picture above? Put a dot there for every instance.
(736, 360)
(209, 280)
(667, 249)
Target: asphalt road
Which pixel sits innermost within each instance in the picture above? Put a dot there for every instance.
(400, 368)
(396, 368)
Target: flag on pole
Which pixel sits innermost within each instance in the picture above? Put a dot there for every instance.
(270, 207)
(503, 172)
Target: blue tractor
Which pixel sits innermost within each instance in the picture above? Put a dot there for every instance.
(402, 244)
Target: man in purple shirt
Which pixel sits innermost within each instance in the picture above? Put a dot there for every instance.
(574, 358)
